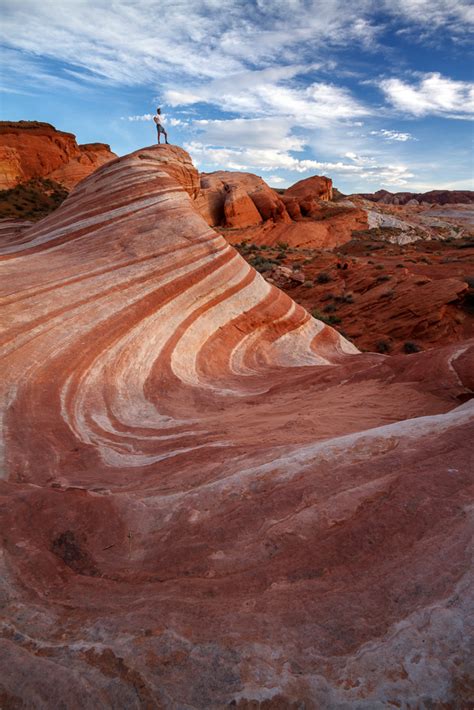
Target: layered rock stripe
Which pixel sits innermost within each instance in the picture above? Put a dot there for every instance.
(209, 498)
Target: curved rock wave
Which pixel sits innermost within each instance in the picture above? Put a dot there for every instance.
(209, 497)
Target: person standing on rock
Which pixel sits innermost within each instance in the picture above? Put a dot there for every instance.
(159, 126)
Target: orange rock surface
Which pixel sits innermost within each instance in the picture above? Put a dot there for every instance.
(31, 149)
(245, 204)
(311, 189)
(239, 208)
(209, 498)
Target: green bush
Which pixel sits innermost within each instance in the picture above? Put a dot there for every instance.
(329, 320)
(323, 278)
(383, 346)
(410, 347)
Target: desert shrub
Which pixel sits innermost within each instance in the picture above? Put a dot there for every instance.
(330, 308)
(308, 284)
(327, 296)
(379, 266)
(383, 346)
(400, 266)
(260, 263)
(329, 320)
(33, 199)
(346, 298)
(410, 347)
(383, 277)
(283, 246)
(265, 266)
(323, 278)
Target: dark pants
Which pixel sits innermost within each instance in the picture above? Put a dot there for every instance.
(160, 129)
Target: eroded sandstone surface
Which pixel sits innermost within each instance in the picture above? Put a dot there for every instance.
(209, 498)
(303, 215)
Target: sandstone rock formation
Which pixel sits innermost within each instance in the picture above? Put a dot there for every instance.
(211, 499)
(220, 187)
(30, 149)
(307, 192)
(245, 204)
(239, 208)
(436, 197)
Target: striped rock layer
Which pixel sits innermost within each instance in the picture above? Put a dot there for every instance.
(209, 498)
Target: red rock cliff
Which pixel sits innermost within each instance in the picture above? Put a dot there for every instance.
(31, 149)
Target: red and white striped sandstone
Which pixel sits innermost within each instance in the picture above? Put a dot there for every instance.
(210, 498)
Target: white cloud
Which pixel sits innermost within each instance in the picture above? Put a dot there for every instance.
(393, 135)
(142, 117)
(268, 160)
(433, 94)
(253, 132)
(268, 94)
(149, 117)
(454, 15)
(141, 41)
(273, 64)
(275, 180)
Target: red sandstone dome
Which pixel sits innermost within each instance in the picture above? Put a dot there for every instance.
(211, 499)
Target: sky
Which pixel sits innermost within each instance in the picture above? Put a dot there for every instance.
(376, 94)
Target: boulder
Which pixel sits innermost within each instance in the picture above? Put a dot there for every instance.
(239, 208)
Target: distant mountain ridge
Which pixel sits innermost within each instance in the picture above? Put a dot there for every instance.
(435, 197)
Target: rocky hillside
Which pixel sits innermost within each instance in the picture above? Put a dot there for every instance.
(30, 150)
(211, 499)
(433, 197)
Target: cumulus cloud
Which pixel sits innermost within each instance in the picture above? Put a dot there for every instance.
(141, 117)
(317, 104)
(268, 160)
(393, 135)
(253, 132)
(275, 180)
(149, 117)
(432, 94)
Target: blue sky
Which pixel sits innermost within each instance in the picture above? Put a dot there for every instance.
(373, 93)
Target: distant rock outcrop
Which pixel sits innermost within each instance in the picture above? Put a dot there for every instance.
(223, 187)
(31, 149)
(301, 215)
(309, 192)
(435, 197)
